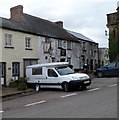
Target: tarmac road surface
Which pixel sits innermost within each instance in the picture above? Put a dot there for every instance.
(98, 101)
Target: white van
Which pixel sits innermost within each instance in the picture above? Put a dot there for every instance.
(56, 74)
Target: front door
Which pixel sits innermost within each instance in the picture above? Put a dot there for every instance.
(28, 62)
(3, 73)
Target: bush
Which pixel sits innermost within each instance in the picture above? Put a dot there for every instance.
(13, 83)
(22, 85)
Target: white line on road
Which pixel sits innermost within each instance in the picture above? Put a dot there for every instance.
(35, 103)
(112, 85)
(93, 89)
(1, 111)
(68, 95)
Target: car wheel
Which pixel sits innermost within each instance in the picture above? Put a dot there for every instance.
(100, 74)
(66, 87)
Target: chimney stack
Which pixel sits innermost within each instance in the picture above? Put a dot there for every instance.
(16, 13)
(59, 23)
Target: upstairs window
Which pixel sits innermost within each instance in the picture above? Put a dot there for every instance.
(28, 42)
(8, 40)
(47, 40)
(69, 45)
(60, 43)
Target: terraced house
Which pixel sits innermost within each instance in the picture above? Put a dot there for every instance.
(28, 40)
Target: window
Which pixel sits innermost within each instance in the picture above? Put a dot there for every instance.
(69, 60)
(52, 73)
(15, 69)
(8, 40)
(37, 71)
(111, 64)
(59, 43)
(69, 45)
(28, 42)
(117, 64)
(62, 52)
(47, 40)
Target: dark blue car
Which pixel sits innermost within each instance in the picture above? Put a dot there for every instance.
(110, 70)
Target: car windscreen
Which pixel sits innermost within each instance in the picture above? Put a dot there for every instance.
(64, 70)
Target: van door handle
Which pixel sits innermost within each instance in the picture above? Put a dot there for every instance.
(46, 77)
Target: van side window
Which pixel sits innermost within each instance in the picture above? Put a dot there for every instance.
(52, 73)
(37, 71)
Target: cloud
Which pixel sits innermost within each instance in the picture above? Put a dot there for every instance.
(87, 17)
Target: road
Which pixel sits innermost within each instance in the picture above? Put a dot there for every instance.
(97, 101)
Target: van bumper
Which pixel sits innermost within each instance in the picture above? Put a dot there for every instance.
(78, 83)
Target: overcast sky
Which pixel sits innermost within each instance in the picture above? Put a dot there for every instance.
(87, 17)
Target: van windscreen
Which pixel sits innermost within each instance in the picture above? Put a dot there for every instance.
(64, 70)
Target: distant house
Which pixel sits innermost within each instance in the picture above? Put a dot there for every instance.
(103, 56)
(28, 40)
(88, 50)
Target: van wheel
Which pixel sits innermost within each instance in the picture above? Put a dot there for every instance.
(66, 87)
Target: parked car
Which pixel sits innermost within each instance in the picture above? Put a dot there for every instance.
(110, 70)
(56, 74)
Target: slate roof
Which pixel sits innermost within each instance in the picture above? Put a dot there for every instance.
(81, 36)
(34, 25)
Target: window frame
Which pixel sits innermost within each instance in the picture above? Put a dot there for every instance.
(37, 71)
(15, 68)
(8, 40)
(28, 43)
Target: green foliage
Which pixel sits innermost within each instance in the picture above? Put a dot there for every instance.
(22, 85)
(113, 46)
(13, 83)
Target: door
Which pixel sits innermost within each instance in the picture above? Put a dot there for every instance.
(28, 62)
(15, 70)
(3, 73)
(52, 77)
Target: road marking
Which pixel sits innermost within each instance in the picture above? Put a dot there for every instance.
(68, 95)
(1, 111)
(35, 103)
(112, 85)
(93, 89)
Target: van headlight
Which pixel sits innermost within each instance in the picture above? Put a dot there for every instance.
(84, 77)
(73, 78)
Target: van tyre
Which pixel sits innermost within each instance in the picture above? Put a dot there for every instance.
(66, 87)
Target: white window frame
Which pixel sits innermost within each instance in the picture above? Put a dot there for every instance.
(8, 40)
(27, 42)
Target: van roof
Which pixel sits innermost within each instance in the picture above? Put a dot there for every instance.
(48, 64)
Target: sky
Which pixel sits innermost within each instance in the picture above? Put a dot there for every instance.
(88, 17)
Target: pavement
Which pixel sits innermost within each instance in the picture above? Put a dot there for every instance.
(12, 92)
